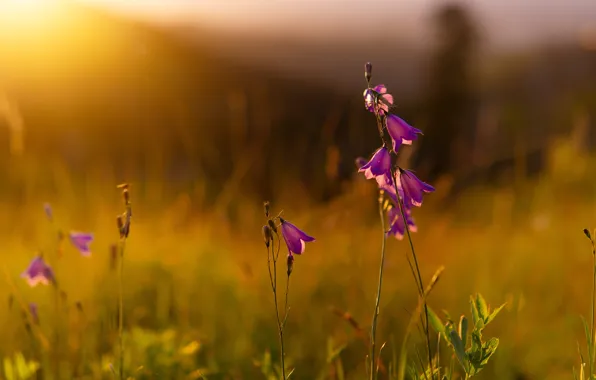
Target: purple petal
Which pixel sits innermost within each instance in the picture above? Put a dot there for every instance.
(294, 237)
(413, 188)
(400, 131)
(379, 164)
(81, 241)
(38, 272)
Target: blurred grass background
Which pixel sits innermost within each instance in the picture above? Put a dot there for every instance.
(203, 140)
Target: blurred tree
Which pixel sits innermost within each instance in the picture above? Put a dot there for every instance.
(449, 94)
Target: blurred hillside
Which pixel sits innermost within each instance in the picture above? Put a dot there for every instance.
(95, 90)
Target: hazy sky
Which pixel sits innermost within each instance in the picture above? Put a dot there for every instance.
(505, 21)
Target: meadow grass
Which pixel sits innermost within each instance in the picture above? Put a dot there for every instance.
(197, 299)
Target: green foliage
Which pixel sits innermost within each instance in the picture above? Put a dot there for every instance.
(471, 351)
(151, 353)
(18, 368)
(271, 370)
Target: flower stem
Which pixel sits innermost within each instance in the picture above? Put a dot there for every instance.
(419, 279)
(591, 342)
(373, 332)
(121, 308)
(273, 278)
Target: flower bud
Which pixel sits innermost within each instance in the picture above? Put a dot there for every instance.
(266, 207)
(272, 225)
(367, 71)
(120, 224)
(290, 263)
(587, 233)
(267, 236)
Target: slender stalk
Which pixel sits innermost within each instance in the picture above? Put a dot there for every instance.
(419, 276)
(273, 256)
(373, 332)
(591, 343)
(121, 307)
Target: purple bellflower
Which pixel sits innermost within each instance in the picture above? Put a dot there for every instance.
(379, 165)
(413, 188)
(378, 99)
(396, 221)
(81, 241)
(294, 237)
(38, 272)
(400, 131)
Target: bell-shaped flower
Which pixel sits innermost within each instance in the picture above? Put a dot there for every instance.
(38, 272)
(400, 131)
(413, 188)
(378, 99)
(379, 165)
(397, 227)
(81, 241)
(294, 237)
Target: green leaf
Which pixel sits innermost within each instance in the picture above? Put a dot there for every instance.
(494, 313)
(463, 329)
(435, 321)
(459, 349)
(482, 307)
(474, 310)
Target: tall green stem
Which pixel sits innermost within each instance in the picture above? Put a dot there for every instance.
(373, 332)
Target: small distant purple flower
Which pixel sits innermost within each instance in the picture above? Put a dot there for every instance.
(81, 241)
(34, 312)
(294, 237)
(47, 208)
(377, 98)
(379, 165)
(38, 272)
(400, 131)
(413, 188)
(396, 221)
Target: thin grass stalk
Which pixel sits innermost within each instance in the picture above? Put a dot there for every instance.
(373, 332)
(121, 308)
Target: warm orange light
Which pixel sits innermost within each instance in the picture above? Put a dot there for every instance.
(26, 13)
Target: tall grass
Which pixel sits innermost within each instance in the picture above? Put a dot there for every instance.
(186, 266)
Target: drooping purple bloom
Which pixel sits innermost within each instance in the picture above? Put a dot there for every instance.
(379, 164)
(396, 222)
(38, 272)
(400, 131)
(294, 237)
(378, 99)
(413, 188)
(81, 241)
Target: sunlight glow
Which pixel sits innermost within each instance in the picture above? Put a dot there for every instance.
(24, 14)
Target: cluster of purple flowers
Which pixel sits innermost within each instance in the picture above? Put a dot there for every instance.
(401, 185)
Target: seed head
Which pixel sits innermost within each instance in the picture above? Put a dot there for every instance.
(272, 225)
(267, 236)
(587, 233)
(266, 207)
